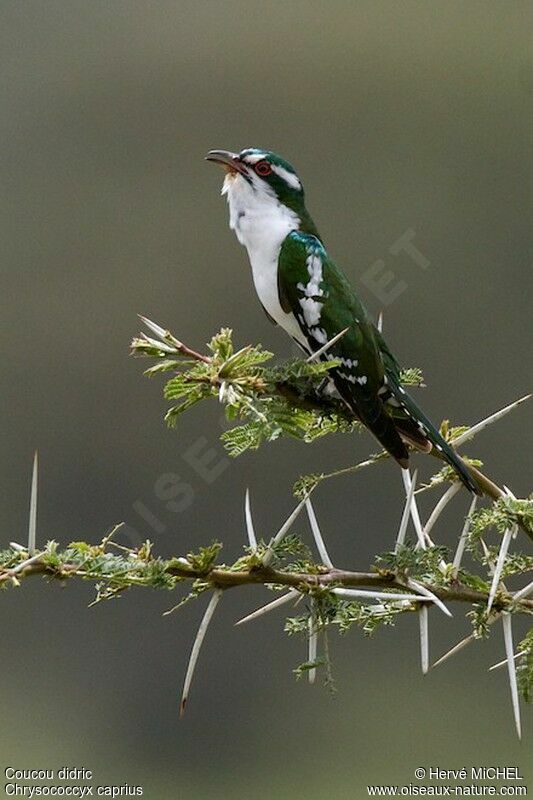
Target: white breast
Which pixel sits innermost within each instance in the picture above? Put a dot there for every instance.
(261, 224)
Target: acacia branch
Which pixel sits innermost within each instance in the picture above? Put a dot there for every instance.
(118, 575)
(230, 368)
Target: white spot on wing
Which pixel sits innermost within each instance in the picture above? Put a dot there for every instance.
(311, 307)
(311, 310)
(350, 362)
(319, 335)
(347, 377)
(314, 268)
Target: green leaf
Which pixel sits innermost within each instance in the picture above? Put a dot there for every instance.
(193, 397)
(244, 360)
(503, 514)
(205, 558)
(303, 669)
(412, 377)
(221, 344)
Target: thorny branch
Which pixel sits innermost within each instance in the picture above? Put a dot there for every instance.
(230, 378)
(288, 400)
(166, 573)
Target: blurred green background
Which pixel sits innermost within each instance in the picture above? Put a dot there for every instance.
(412, 115)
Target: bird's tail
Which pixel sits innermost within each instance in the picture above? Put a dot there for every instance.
(419, 429)
(373, 414)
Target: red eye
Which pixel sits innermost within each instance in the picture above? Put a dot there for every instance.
(263, 168)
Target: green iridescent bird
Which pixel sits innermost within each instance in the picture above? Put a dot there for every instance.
(304, 291)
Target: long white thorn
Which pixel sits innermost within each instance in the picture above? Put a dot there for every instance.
(406, 513)
(499, 566)
(486, 553)
(511, 666)
(419, 587)
(312, 646)
(32, 525)
(269, 552)
(461, 544)
(252, 541)
(479, 426)
(381, 595)
(279, 601)
(455, 649)
(423, 619)
(527, 590)
(316, 355)
(319, 541)
(406, 477)
(504, 662)
(26, 563)
(204, 624)
(379, 324)
(448, 495)
(463, 643)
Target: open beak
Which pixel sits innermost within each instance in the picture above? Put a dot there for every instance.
(230, 161)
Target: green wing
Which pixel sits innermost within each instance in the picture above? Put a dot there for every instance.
(368, 378)
(320, 297)
(323, 302)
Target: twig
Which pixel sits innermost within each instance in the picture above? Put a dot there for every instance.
(222, 577)
(167, 338)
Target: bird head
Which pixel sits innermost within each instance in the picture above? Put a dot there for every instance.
(266, 172)
(261, 184)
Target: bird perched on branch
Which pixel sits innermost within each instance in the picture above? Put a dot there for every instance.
(307, 294)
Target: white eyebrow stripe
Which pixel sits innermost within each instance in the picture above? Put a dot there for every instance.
(289, 177)
(253, 158)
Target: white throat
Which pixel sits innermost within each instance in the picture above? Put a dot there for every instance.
(256, 215)
(261, 223)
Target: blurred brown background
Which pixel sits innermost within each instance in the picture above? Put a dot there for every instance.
(398, 116)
